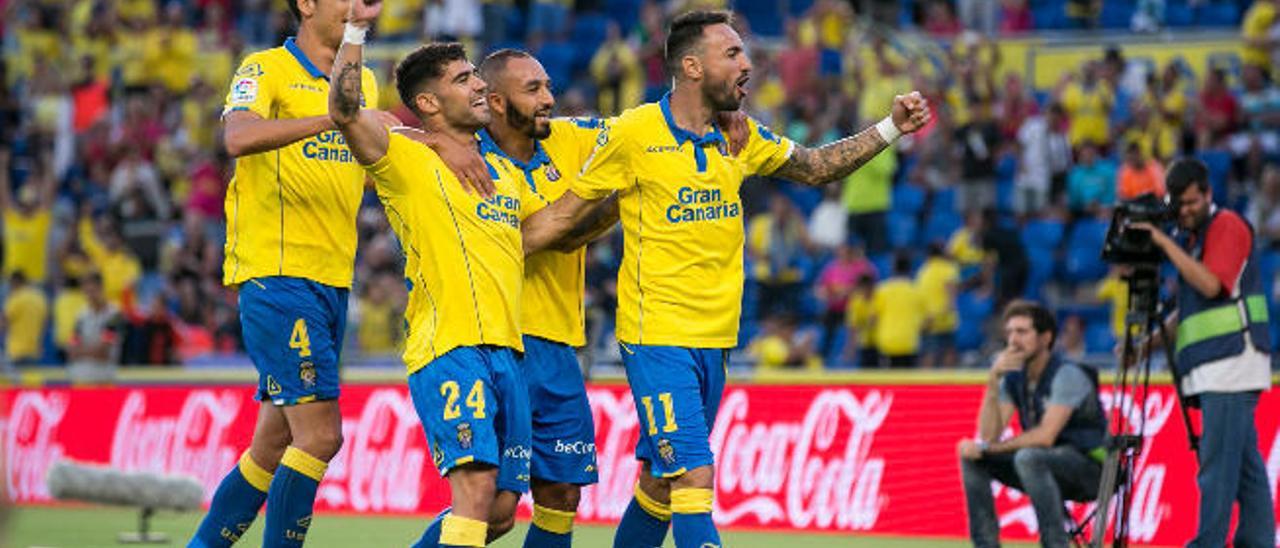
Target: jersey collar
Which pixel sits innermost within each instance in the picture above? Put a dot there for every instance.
(292, 45)
(539, 159)
(681, 135)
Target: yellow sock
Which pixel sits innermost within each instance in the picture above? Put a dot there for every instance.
(551, 520)
(459, 531)
(650, 505)
(691, 501)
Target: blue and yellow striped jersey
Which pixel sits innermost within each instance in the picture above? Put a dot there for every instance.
(680, 282)
(292, 211)
(464, 259)
(553, 280)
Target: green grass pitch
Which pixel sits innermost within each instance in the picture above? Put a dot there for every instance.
(85, 526)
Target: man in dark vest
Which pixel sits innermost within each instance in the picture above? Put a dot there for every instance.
(1223, 354)
(1058, 454)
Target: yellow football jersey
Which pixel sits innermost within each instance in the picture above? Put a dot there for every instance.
(464, 259)
(292, 211)
(680, 282)
(553, 280)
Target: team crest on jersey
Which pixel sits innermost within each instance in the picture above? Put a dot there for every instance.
(464, 435)
(307, 372)
(553, 174)
(245, 90)
(602, 137)
(666, 452)
(273, 387)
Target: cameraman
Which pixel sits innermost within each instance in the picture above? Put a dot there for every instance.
(1058, 456)
(1223, 347)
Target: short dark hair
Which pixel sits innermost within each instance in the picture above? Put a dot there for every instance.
(293, 9)
(686, 32)
(496, 61)
(1186, 172)
(423, 64)
(1041, 319)
(901, 263)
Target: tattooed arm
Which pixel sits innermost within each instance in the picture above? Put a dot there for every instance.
(364, 130)
(835, 161)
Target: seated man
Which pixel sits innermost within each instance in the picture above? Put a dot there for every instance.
(1058, 456)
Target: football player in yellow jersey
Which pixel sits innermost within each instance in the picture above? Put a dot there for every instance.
(464, 266)
(291, 240)
(680, 283)
(546, 155)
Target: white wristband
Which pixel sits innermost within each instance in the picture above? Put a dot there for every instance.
(888, 130)
(354, 35)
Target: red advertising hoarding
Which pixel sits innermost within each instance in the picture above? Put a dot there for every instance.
(865, 458)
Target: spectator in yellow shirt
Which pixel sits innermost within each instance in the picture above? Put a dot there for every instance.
(67, 306)
(900, 313)
(110, 258)
(938, 280)
(1114, 289)
(26, 221)
(25, 312)
(618, 74)
(1256, 30)
(378, 331)
(780, 347)
(964, 246)
(860, 319)
(1088, 103)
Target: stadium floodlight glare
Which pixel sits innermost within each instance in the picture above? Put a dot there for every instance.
(69, 480)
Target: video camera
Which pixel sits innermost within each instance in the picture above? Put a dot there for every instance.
(1135, 247)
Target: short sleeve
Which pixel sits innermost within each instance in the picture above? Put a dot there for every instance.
(1070, 387)
(582, 132)
(404, 158)
(765, 151)
(608, 168)
(1226, 248)
(252, 88)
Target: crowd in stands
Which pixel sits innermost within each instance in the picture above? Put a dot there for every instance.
(113, 175)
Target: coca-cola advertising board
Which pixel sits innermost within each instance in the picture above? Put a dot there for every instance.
(841, 459)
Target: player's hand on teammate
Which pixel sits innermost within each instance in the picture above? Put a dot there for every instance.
(467, 164)
(733, 125)
(910, 112)
(364, 12)
(387, 119)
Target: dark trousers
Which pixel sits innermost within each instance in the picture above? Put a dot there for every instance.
(1231, 471)
(1048, 475)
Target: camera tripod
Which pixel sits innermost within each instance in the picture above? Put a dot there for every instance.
(1132, 386)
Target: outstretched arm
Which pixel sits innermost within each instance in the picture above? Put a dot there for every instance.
(546, 228)
(364, 130)
(597, 220)
(835, 161)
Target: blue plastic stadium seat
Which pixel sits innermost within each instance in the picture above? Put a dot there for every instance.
(1043, 233)
(939, 226)
(903, 229)
(1041, 269)
(766, 18)
(625, 12)
(973, 311)
(586, 36)
(1218, 14)
(1098, 338)
(1004, 196)
(1116, 14)
(908, 198)
(557, 59)
(1083, 261)
(884, 264)
(944, 200)
(1179, 14)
